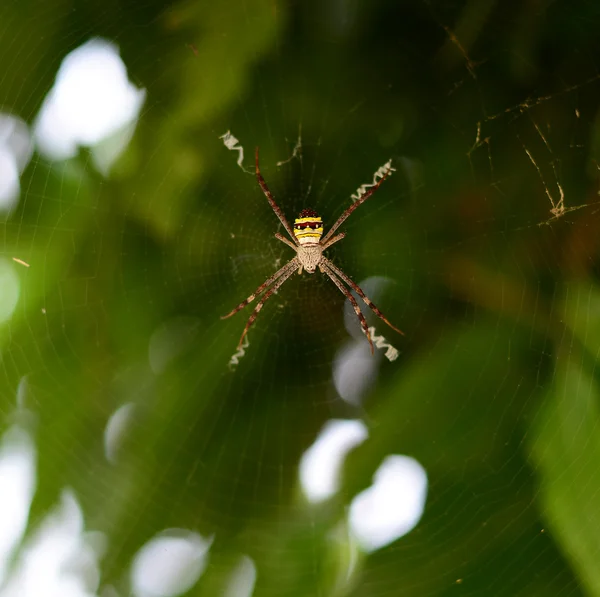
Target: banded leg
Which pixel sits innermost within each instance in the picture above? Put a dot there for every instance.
(264, 299)
(334, 240)
(290, 266)
(269, 195)
(363, 322)
(285, 240)
(360, 293)
(354, 206)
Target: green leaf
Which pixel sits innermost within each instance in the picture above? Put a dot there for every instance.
(565, 449)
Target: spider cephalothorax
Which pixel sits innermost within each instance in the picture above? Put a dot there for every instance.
(308, 227)
(306, 237)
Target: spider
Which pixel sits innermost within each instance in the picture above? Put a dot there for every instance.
(309, 247)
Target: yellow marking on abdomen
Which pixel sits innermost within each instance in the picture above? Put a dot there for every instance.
(303, 220)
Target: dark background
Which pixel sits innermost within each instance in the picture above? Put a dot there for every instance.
(496, 390)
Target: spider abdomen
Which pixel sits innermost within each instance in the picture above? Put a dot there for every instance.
(309, 256)
(308, 227)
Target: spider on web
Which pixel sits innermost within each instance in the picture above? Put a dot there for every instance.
(309, 247)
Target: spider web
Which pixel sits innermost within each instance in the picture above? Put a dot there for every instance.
(127, 410)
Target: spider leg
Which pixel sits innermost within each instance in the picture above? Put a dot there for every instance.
(290, 266)
(269, 195)
(363, 322)
(360, 292)
(354, 206)
(333, 240)
(285, 240)
(264, 299)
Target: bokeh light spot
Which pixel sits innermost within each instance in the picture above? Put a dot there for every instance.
(115, 430)
(16, 148)
(169, 564)
(392, 506)
(60, 558)
(242, 579)
(321, 463)
(92, 99)
(17, 483)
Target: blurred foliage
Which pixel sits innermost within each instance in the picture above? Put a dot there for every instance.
(489, 111)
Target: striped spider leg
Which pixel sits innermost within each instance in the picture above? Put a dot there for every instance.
(363, 322)
(307, 243)
(354, 206)
(334, 272)
(281, 275)
(366, 300)
(277, 279)
(269, 195)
